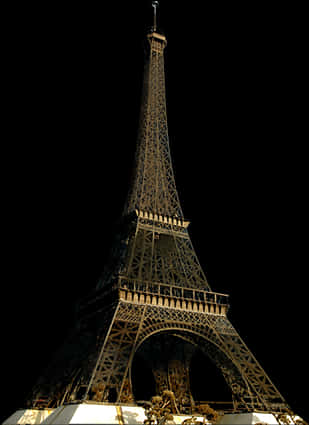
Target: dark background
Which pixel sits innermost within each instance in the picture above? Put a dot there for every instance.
(235, 87)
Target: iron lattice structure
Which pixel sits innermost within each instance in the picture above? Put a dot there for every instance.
(153, 290)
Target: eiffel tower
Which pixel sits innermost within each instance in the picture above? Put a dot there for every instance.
(153, 297)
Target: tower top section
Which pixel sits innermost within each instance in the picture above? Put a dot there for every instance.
(157, 41)
(153, 189)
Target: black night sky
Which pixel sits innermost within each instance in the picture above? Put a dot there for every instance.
(235, 77)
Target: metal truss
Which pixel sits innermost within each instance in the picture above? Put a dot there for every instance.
(153, 287)
(153, 188)
(134, 323)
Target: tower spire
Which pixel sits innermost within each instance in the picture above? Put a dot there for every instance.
(155, 4)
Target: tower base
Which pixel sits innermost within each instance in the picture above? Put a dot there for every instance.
(98, 413)
(28, 416)
(253, 418)
(86, 413)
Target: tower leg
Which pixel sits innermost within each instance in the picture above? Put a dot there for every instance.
(169, 358)
(161, 378)
(110, 380)
(179, 383)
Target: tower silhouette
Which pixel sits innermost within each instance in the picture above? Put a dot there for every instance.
(152, 293)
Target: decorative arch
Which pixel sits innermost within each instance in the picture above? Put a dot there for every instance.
(133, 324)
(207, 341)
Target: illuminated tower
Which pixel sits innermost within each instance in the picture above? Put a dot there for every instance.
(153, 291)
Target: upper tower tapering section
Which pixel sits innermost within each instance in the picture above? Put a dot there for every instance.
(153, 188)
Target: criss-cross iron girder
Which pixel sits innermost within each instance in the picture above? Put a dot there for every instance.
(154, 189)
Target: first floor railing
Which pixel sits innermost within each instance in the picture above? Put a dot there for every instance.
(162, 294)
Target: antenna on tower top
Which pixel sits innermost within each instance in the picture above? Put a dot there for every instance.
(155, 4)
